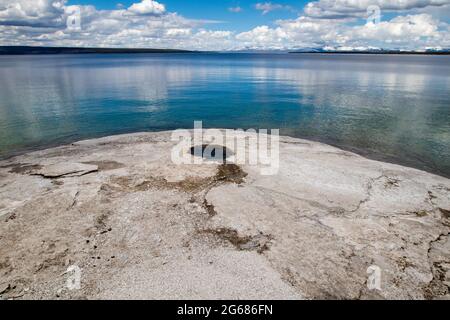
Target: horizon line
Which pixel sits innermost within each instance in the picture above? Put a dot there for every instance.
(24, 49)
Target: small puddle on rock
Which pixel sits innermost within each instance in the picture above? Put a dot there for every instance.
(211, 152)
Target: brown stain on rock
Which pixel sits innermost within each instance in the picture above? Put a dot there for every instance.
(260, 242)
(230, 173)
(421, 213)
(445, 213)
(24, 168)
(226, 173)
(437, 286)
(106, 165)
(391, 183)
(209, 208)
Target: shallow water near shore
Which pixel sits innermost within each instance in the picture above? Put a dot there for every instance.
(395, 108)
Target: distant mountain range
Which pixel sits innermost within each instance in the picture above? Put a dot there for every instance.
(374, 51)
(24, 50)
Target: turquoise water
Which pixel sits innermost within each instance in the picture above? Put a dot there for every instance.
(395, 108)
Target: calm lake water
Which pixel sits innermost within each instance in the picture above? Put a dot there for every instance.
(395, 108)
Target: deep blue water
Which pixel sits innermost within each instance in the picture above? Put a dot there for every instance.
(395, 108)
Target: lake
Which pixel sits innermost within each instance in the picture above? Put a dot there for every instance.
(388, 107)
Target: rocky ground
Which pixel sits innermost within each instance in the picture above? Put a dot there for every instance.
(141, 227)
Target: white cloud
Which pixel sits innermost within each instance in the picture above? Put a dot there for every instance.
(43, 22)
(299, 33)
(422, 30)
(147, 7)
(43, 13)
(411, 26)
(352, 8)
(402, 32)
(235, 9)
(268, 7)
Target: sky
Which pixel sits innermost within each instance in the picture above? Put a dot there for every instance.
(229, 24)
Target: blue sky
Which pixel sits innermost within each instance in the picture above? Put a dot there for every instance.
(218, 11)
(228, 25)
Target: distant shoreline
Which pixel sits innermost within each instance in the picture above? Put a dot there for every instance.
(32, 50)
(439, 53)
(27, 50)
